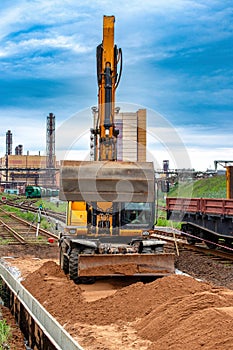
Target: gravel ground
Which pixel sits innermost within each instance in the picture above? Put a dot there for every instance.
(205, 268)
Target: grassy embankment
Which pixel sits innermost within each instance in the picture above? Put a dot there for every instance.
(213, 187)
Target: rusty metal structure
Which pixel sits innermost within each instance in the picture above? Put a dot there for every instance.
(228, 165)
(208, 219)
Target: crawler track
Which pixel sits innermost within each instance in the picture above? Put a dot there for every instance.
(14, 230)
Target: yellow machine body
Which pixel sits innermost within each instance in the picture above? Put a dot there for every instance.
(111, 203)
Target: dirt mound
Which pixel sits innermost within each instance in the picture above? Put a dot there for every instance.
(54, 290)
(194, 320)
(139, 299)
(51, 269)
(170, 313)
(127, 304)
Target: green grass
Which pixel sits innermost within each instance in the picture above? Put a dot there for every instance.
(30, 217)
(44, 201)
(5, 335)
(61, 208)
(4, 241)
(213, 187)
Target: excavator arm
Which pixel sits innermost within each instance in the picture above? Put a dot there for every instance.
(108, 57)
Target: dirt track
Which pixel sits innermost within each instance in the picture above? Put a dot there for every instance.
(170, 313)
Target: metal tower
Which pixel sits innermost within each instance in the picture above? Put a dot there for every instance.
(8, 150)
(50, 141)
(8, 143)
(50, 147)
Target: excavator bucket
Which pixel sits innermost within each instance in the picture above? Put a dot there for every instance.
(126, 264)
(107, 181)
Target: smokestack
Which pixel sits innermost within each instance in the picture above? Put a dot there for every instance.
(50, 141)
(19, 150)
(8, 143)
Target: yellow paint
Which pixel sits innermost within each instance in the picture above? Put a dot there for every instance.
(76, 213)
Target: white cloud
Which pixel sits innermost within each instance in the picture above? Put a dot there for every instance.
(9, 20)
(206, 136)
(28, 129)
(59, 42)
(75, 28)
(203, 145)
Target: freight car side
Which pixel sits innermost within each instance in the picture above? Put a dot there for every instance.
(208, 219)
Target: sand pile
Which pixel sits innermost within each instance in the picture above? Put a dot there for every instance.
(170, 313)
(201, 320)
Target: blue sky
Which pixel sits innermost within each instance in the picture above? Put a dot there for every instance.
(177, 62)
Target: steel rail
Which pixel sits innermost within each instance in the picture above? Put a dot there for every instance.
(45, 232)
(166, 235)
(17, 236)
(56, 215)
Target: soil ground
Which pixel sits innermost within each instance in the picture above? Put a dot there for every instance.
(174, 312)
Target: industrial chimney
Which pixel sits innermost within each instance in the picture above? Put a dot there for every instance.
(50, 150)
(19, 150)
(8, 143)
(50, 141)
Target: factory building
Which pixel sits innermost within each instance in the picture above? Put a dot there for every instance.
(19, 170)
(131, 141)
(23, 170)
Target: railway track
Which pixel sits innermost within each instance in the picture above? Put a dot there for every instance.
(178, 239)
(14, 230)
(29, 206)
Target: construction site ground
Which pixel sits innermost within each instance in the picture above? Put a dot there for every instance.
(174, 312)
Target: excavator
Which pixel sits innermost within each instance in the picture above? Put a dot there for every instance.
(110, 203)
